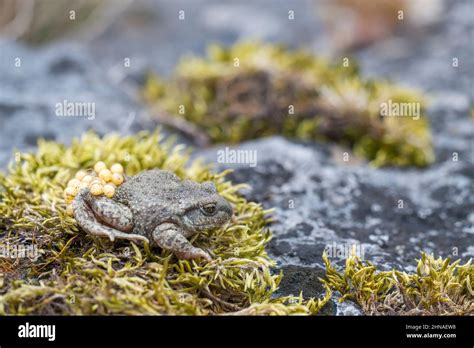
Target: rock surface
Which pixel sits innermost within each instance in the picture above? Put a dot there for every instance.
(320, 201)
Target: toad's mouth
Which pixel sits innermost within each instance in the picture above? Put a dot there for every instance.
(193, 226)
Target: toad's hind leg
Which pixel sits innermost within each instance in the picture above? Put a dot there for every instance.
(169, 237)
(112, 213)
(94, 214)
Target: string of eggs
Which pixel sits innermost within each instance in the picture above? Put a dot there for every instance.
(102, 181)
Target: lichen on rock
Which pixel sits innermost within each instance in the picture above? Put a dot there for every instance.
(253, 90)
(70, 273)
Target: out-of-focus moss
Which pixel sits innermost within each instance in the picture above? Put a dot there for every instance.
(40, 21)
(71, 273)
(253, 90)
(438, 287)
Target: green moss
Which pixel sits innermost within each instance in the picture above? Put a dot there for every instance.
(75, 274)
(438, 287)
(277, 91)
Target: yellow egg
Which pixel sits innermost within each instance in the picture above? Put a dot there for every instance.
(70, 191)
(105, 174)
(87, 178)
(96, 180)
(117, 179)
(109, 190)
(70, 210)
(80, 175)
(99, 166)
(73, 183)
(96, 189)
(117, 168)
(83, 185)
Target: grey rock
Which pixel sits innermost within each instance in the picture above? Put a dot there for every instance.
(305, 280)
(347, 308)
(319, 202)
(58, 74)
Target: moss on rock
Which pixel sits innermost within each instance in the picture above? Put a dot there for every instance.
(253, 90)
(72, 273)
(438, 287)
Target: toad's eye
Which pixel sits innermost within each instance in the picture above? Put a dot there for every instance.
(209, 209)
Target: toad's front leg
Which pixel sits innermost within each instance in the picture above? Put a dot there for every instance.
(104, 217)
(170, 237)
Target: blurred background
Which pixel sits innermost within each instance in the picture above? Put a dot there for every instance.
(411, 42)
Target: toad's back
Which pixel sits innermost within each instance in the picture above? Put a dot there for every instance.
(151, 195)
(152, 184)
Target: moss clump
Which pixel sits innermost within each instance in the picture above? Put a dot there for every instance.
(277, 91)
(437, 288)
(73, 274)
